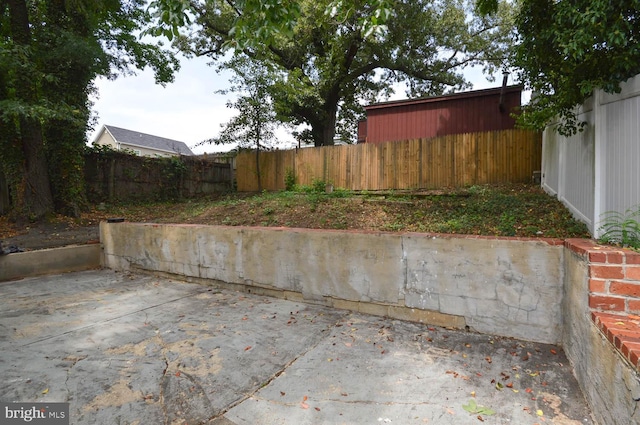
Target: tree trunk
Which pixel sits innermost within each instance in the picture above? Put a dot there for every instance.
(33, 197)
(324, 131)
(37, 198)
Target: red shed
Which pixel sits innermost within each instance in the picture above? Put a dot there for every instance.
(467, 112)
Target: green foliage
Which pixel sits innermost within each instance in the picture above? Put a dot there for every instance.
(567, 49)
(256, 23)
(289, 180)
(254, 127)
(335, 56)
(621, 228)
(475, 409)
(318, 186)
(51, 51)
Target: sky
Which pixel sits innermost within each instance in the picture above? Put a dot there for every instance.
(189, 109)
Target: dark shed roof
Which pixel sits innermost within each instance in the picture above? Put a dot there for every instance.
(135, 138)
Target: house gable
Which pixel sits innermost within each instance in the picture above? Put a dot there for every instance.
(141, 143)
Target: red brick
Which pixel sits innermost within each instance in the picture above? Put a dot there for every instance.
(597, 257)
(606, 303)
(598, 285)
(606, 272)
(615, 257)
(632, 258)
(625, 288)
(627, 335)
(632, 272)
(633, 306)
(635, 356)
(579, 246)
(632, 350)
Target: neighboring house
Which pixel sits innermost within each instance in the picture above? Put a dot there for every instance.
(467, 112)
(140, 143)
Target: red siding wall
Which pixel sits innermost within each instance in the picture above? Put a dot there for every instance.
(468, 112)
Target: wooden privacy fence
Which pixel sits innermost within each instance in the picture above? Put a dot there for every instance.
(506, 156)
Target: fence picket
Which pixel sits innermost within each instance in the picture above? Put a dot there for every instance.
(447, 161)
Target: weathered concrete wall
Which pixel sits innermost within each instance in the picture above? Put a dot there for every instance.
(608, 382)
(498, 286)
(49, 261)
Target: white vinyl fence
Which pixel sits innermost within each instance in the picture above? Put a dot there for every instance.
(597, 170)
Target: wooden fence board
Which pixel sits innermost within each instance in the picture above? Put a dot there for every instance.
(447, 161)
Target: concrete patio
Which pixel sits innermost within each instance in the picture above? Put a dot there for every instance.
(126, 348)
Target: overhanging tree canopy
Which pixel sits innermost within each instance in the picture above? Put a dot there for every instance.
(567, 49)
(50, 52)
(333, 58)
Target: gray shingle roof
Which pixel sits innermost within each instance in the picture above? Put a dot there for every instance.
(136, 138)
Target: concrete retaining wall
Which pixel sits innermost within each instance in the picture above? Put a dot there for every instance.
(505, 287)
(608, 382)
(49, 261)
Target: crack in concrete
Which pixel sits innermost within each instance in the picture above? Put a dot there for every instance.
(75, 360)
(280, 371)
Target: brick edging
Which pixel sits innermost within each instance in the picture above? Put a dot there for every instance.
(614, 294)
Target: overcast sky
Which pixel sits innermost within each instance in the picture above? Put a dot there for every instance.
(188, 109)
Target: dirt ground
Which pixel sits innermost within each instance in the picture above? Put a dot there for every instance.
(509, 210)
(50, 235)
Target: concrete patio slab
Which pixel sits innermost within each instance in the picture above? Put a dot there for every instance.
(138, 349)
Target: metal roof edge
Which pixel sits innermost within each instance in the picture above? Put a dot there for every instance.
(461, 95)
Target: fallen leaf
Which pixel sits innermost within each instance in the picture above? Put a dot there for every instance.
(348, 344)
(282, 393)
(499, 386)
(480, 418)
(245, 318)
(317, 408)
(344, 394)
(45, 391)
(488, 359)
(539, 412)
(528, 390)
(553, 351)
(305, 398)
(509, 385)
(304, 405)
(178, 373)
(248, 347)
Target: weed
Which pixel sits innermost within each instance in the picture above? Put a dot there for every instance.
(507, 224)
(621, 228)
(290, 180)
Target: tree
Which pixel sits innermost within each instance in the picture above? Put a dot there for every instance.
(254, 127)
(567, 49)
(51, 51)
(333, 62)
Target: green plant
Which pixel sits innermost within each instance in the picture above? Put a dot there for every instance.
(318, 186)
(289, 180)
(621, 228)
(475, 409)
(507, 224)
